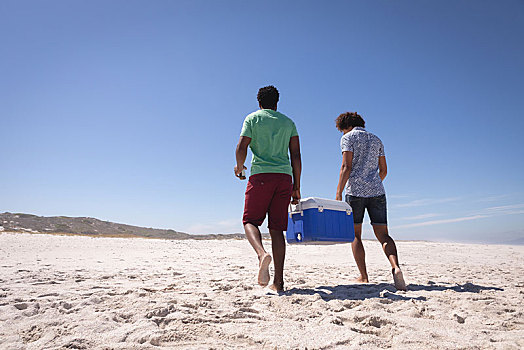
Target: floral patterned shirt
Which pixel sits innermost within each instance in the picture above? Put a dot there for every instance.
(364, 180)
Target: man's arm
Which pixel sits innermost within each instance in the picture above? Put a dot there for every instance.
(345, 170)
(296, 165)
(241, 154)
(382, 167)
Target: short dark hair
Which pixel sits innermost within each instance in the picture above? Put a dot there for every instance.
(348, 120)
(268, 97)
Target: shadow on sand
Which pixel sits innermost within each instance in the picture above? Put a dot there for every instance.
(382, 291)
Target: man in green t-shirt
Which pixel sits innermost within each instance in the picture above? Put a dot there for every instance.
(274, 180)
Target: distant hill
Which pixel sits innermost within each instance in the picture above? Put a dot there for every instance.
(17, 222)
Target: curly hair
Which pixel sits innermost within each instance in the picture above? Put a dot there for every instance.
(268, 97)
(348, 120)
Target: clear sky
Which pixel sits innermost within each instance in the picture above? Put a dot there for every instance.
(130, 111)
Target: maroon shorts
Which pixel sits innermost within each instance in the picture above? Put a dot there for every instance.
(271, 194)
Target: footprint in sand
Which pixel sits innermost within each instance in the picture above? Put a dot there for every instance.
(249, 309)
(298, 281)
(238, 314)
(28, 310)
(336, 306)
(242, 303)
(419, 312)
(78, 344)
(122, 317)
(339, 321)
(32, 334)
(161, 312)
(65, 305)
(48, 295)
(21, 306)
(225, 287)
(93, 300)
(377, 322)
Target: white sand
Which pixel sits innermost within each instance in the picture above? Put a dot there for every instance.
(110, 293)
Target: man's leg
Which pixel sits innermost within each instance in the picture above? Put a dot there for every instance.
(358, 204)
(388, 245)
(278, 246)
(254, 238)
(359, 254)
(390, 249)
(377, 210)
(264, 259)
(277, 221)
(255, 208)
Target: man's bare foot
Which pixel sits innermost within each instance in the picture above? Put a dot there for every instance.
(263, 270)
(398, 279)
(277, 287)
(360, 279)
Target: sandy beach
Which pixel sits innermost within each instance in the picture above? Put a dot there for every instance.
(63, 292)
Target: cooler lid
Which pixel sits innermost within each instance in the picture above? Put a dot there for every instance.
(329, 204)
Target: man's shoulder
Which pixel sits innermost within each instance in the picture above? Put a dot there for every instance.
(278, 115)
(375, 141)
(360, 135)
(269, 114)
(375, 137)
(252, 115)
(353, 135)
(360, 132)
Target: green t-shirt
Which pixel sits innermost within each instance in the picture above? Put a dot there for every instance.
(270, 132)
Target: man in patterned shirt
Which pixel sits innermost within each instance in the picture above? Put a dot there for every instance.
(363, 170)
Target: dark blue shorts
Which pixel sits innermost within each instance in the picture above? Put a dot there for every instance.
(376, 207)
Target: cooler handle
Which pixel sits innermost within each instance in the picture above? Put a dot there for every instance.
(298, 209)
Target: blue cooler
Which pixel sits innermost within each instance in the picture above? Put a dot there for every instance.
(318, 221)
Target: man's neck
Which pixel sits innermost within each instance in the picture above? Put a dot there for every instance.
(345, 131)
(273, 109)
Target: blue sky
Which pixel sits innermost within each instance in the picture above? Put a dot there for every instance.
(130, 111)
